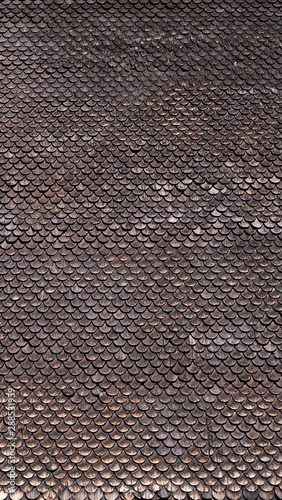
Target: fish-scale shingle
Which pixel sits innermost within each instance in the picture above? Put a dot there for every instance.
(140, 241)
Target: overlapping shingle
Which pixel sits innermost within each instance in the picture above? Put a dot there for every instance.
(141, 248)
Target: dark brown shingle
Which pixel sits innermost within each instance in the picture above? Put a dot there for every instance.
(140, 246)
